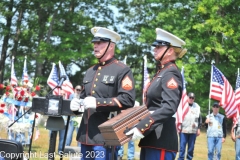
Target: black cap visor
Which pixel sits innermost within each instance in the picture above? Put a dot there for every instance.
(99, 39)
(215, 104)
(191, 95)
(160, 43)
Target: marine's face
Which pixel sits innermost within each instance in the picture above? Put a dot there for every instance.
(158, 51)
(99, 48)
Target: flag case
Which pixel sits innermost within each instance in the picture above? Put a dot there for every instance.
(113, 130)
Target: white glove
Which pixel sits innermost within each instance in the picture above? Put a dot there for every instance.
(76, 104)
(89, 102)
(136, 134)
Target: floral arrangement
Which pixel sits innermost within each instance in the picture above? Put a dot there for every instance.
(20, 95)
(2, 106)
(16, 96)
(15, 99)
(4, 118)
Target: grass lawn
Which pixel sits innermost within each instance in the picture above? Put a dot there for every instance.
(41, 145)
(200, 150)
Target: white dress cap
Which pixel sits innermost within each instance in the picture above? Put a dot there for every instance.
(163, 35)
(100, 32)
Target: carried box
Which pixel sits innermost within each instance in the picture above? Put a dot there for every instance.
(113, 130)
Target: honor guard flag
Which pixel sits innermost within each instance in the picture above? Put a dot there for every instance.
(237, 98)
(67, 85)
(183, 107)
(53, 79)
(13, 75)
(25, 74)
(222, 91)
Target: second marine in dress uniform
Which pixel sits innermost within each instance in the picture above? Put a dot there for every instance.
(157, 132)
(107, 86)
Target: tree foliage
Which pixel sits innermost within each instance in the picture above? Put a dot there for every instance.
(49, 31)
(209, 27)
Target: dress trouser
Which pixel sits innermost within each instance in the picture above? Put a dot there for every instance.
(156, 154)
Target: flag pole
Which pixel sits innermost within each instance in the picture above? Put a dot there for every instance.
(12, 69)
(143, 79)
(24, 67)
(30, 145)
(209, 101)
(143, 67)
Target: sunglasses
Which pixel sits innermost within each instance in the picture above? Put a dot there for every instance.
(191, 97)
(215, 107)
(78, 90)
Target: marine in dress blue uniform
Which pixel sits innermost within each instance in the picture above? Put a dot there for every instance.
(107, 87)
(157, 132)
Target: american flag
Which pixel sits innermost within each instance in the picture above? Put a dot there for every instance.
(13, 75)
(25, 74)
(222, 91)
(146, 79)
(53, 80)
(183, 107)
(67, 85)
(237, 98)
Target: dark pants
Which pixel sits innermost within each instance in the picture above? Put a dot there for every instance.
(156, 154)
(97, 152)
(189, 140)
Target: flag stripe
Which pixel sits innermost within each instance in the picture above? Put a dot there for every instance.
(183, 107)
(53, 80)
(67, 85)
(237, 98)
(222, 91)
(13, 75)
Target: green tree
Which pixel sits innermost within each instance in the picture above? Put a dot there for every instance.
(49, 31)
(209, 28)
